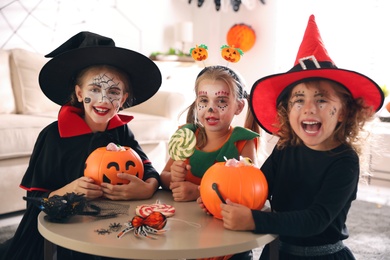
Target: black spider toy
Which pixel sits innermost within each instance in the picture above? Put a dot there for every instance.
(61, 208)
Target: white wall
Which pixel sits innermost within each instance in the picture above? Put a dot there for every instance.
(211, 28)
(355, 32)
(42, 25)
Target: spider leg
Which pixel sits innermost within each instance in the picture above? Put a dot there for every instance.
(124, 231)
(142, 232)
(154, 231)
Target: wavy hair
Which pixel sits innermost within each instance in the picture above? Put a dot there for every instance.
(348, 131)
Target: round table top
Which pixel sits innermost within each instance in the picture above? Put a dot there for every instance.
(190, 233)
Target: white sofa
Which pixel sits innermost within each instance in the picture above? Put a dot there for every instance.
(25, 111)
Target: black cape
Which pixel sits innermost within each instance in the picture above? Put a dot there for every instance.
(58, 158)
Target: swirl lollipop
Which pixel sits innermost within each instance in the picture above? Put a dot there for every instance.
(182, 144)
(146, 209)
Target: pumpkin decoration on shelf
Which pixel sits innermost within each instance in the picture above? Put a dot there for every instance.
(231, 54)
(103, 164)
(242, 36)
(239, 181)
(199, 53)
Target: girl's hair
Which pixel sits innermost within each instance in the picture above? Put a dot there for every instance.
(80, 78)
(355, 113)
(235, 85)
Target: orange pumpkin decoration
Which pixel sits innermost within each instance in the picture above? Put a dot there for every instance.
(241, 183)
(230, 53)
(242, 36)
(103, 165)
(199, 53)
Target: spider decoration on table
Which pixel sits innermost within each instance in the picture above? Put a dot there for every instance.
(103, 231)
(143, 227)
(61, 208)
(114, 227)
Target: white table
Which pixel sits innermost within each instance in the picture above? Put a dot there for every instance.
(190, 234)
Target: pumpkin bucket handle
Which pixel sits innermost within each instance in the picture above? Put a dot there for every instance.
(214, 186)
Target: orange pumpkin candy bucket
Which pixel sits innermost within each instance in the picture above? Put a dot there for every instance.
(240, 182)
(103, 164)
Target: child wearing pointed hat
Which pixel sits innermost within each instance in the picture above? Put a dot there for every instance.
(92, 80)
(317, 111)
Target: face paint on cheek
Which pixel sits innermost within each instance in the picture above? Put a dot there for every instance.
(116, 104)
(201, 107)
(222, 108)
(93, 97)
(294, 105)
(87, 100)
(333, 112)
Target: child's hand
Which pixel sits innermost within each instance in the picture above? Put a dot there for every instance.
(179, 170)
(201, 205)
(83, 185)
(135, 189)
(236, 216)
(184, 191)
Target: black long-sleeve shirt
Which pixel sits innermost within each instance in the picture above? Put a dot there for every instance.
(310, 194)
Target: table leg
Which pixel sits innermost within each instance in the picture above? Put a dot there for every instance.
(50, 250)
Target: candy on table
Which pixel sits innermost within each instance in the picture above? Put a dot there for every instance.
(146, 209)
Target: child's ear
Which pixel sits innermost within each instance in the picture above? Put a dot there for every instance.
(77, 90)
(124, 98)
(240, 107)
(341, 116)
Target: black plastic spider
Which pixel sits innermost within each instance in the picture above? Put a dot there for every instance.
(103, 231)
(114, 227)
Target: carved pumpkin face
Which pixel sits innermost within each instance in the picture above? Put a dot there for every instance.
(103, 165)
(199, 53)
(231, 54)
(243, 184)
(242, 36)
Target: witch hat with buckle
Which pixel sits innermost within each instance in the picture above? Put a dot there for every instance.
(312, 62)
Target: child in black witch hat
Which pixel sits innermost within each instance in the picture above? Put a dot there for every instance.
(318, 111)
(92, 80)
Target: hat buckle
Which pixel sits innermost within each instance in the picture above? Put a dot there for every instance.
(312, 58)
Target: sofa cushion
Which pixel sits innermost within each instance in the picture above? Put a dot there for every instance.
(7, 104)
(18, 134)
(25, 67)
(149, 128)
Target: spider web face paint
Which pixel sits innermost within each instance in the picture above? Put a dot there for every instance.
(105, 87)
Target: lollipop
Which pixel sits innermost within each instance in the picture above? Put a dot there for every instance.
(182, 144)
(146, 209)
(231, 54)
(199, 53)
